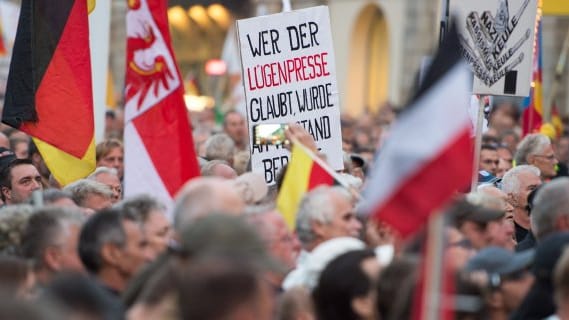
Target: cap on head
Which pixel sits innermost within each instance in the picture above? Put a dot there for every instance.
(496, 260)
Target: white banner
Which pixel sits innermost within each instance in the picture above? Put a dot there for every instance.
(497, 38)
(289, 75)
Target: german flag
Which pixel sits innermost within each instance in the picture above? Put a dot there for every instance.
(305, 172)
(49, 90)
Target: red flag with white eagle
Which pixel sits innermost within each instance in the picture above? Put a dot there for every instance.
(159, 149)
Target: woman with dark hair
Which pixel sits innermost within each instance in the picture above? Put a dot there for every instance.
(345, 290)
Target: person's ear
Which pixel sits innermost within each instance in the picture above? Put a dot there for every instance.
(7, 192)
(51, 258)
(318, 229)
(110, 254)
(531, 159)
(364, 306)
(512, 200)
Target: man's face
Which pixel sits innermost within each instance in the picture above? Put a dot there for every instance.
(113, 182)
(489, 161)
(528, 183)
(545, 162)
(283, 244)
(25, 180)
(503, 167)
(113, 159)
(505, 162)
(344, 222)
(158, 232)
(235, 127)
(500, 233)
(135, 252)
(97, 202)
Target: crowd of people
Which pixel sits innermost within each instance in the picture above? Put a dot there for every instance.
(83, 251)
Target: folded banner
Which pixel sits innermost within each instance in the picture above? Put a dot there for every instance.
(159, 149)
(48, 94)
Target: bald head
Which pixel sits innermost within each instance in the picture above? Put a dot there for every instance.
(204, 196)
(218, 168)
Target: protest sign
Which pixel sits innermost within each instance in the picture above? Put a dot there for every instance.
(497, 38)
(289, 76)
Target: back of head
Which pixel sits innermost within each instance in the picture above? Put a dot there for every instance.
(47, 227)
(13, 222)
(539, 301)
(102, 170)
(51, 196)
(222, 233)
(550, 203)
(396, 287)
(203, 196)
(81, 297)
(531, 144)
(14, 273)
(219, 286)
(334, 294)
(13, 308)
(139, 208)
(220, 147)
(101, 228)
(547, 253)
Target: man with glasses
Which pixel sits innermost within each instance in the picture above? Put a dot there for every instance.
(517, 184)
(536, 149)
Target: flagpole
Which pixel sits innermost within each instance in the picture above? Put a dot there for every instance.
(477, 143)
(432, 301)
(287, 6)
(560, 67)
(445, 15)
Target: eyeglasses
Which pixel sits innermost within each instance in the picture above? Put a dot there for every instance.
(550, 157)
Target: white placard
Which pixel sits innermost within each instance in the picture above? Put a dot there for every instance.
(497, 37)
(289, 75)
